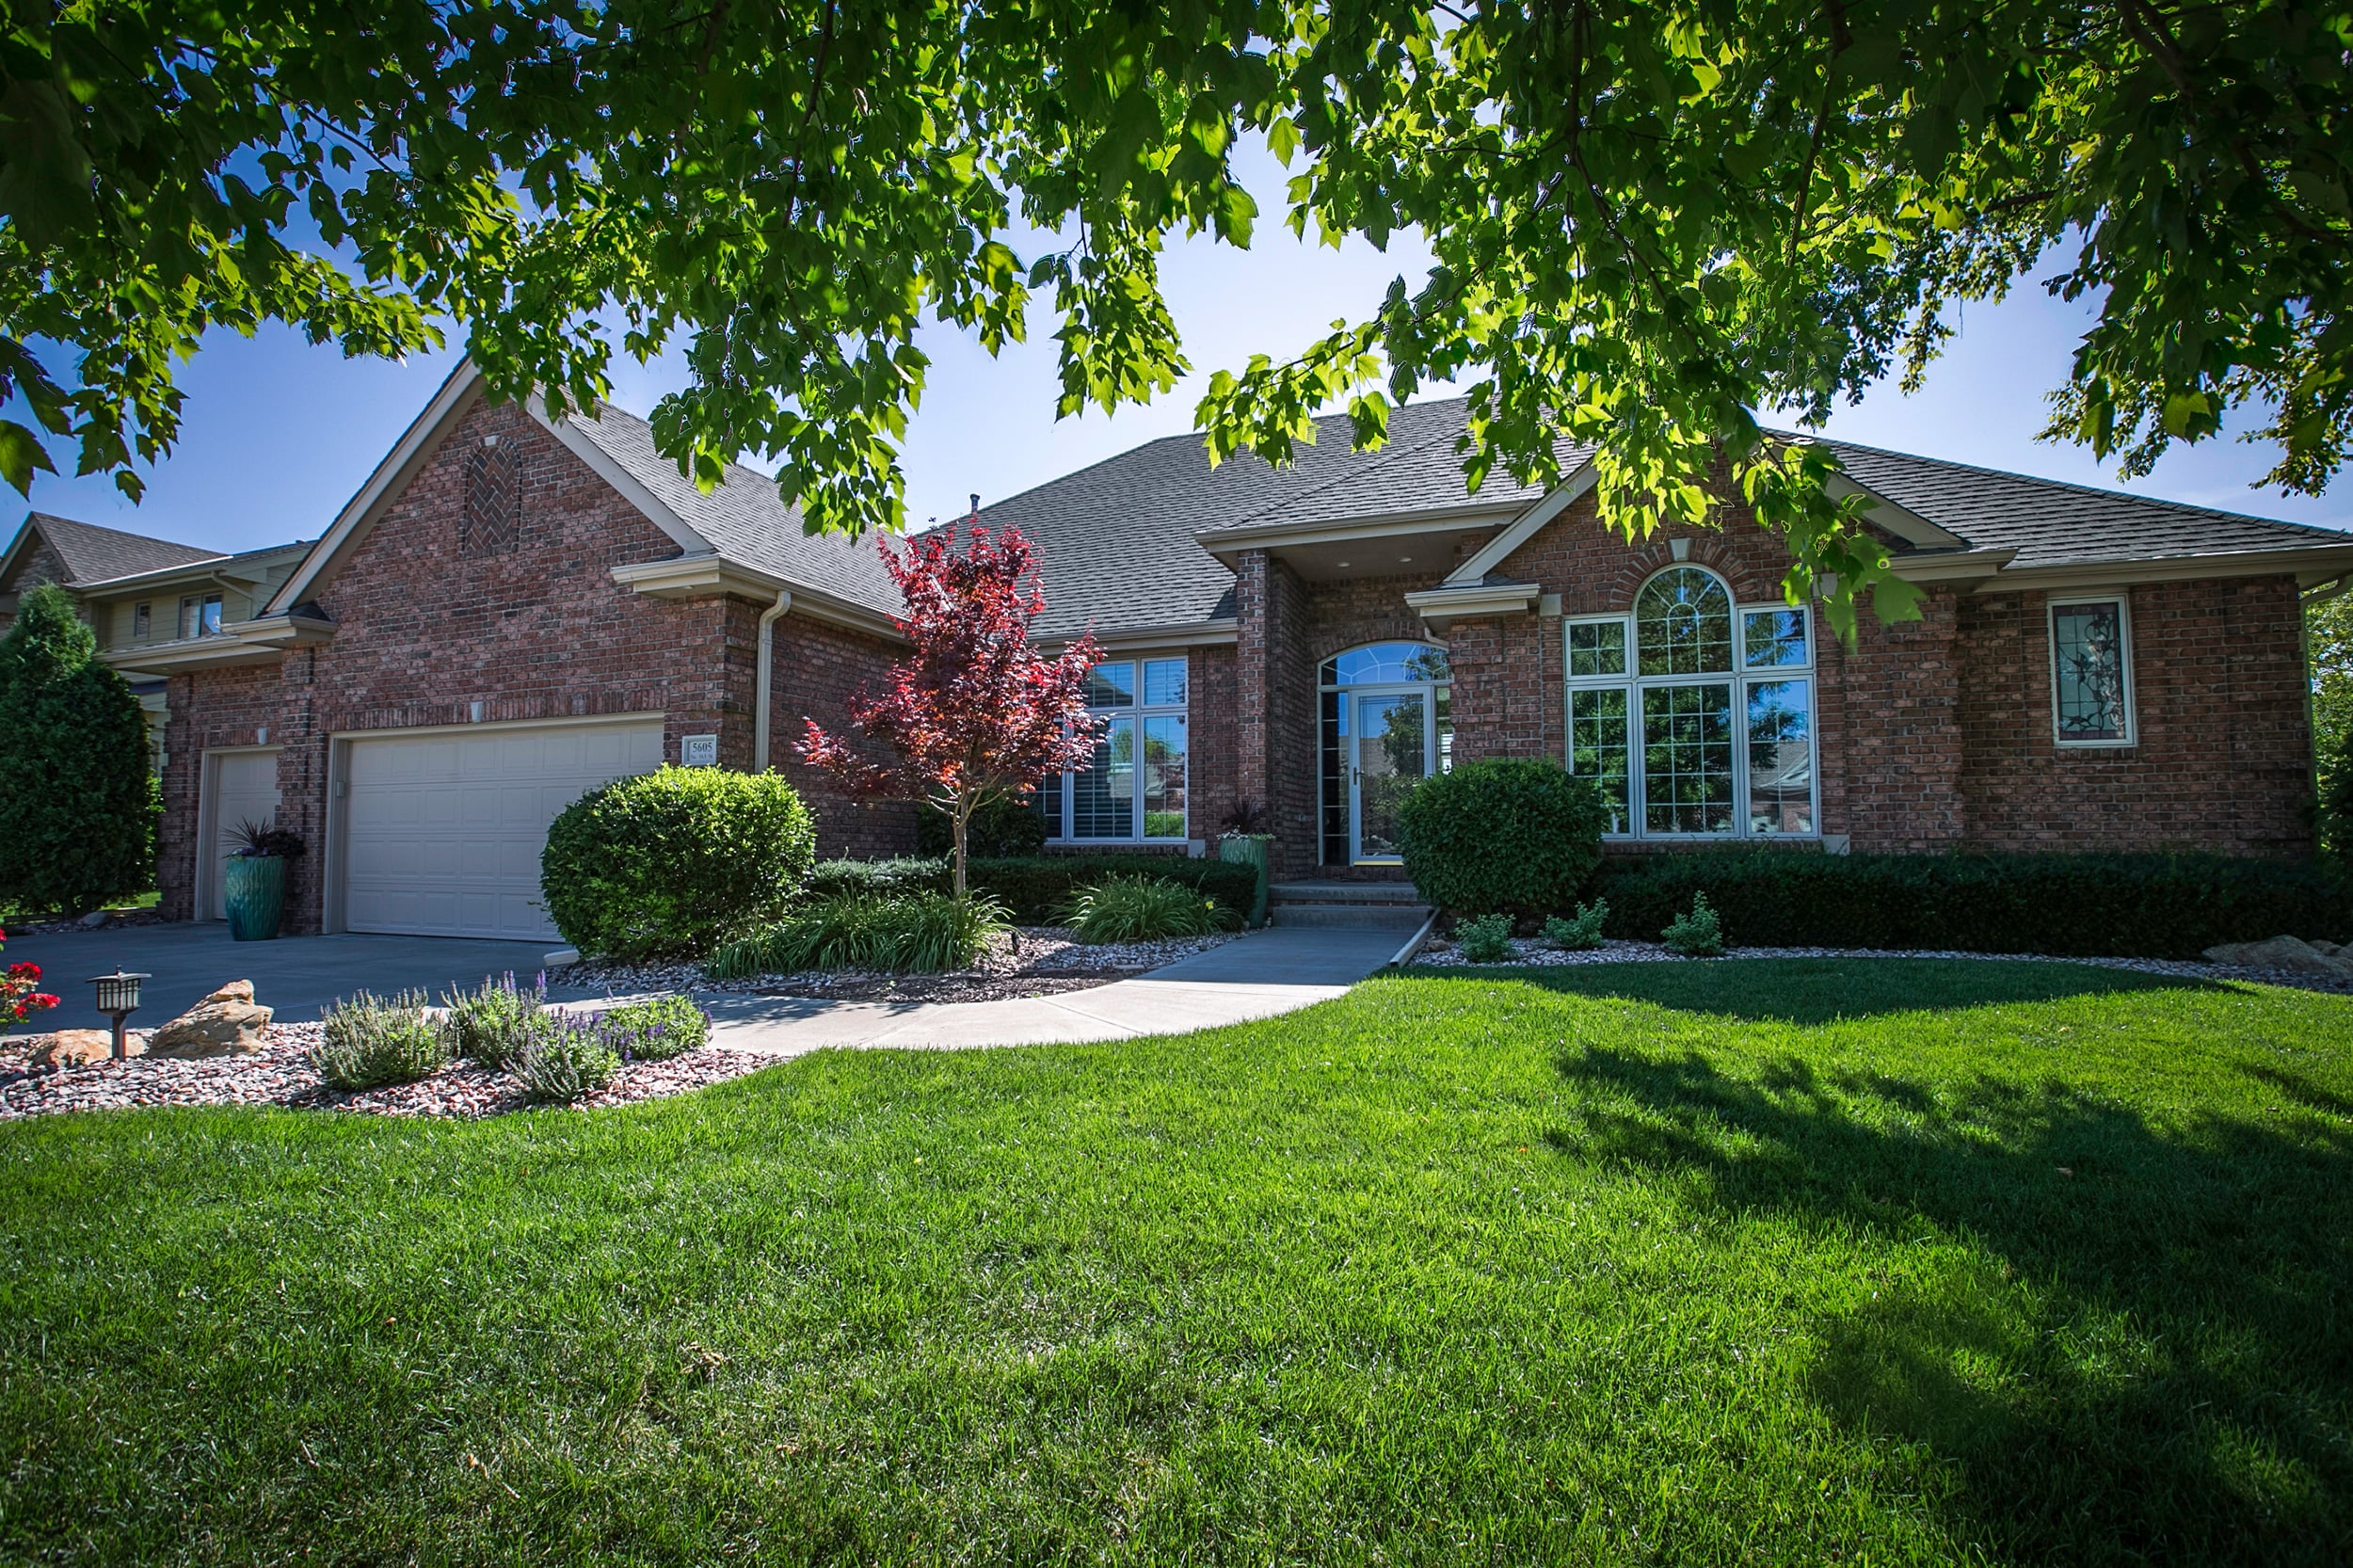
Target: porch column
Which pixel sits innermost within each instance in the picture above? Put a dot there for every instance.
(1274, 683)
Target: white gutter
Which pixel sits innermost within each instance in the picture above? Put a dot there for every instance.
(766, 679)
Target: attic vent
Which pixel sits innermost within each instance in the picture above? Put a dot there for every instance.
(492, 522)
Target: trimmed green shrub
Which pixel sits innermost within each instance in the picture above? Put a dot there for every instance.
(1004, 829)
(79, 803)
(1580, 933)
(566, 1057)
(674, 861)
(2088, 906)
(1486, 939)
(1696, 933)
(656, 1029)
(918, 933)
(1034, 891)
(883, 878)
(1515, 835)
(489, 1025)
(368, 1042)
(1130, 908)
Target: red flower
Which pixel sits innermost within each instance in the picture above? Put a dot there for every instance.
(24, 972)
(43, 999)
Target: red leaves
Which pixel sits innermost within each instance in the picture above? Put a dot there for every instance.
(18, 1000)
(974, 708)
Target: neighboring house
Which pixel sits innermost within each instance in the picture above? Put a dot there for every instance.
(512, 610)
(140, 594)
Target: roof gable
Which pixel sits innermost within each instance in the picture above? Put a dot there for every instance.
(90, 553)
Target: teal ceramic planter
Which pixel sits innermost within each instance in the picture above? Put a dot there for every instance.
(1249, 852)
(255, 891)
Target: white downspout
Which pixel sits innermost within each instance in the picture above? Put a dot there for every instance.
(762, 762)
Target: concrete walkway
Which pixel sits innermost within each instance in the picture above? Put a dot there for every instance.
(1255, 976)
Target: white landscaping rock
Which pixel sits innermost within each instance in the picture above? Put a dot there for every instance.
(2280, 953)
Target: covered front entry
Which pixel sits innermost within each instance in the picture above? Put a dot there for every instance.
(442, 831)
(1387, 726)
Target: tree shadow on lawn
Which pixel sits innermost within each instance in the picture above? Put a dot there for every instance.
(1814, 991)
(2112, 1342)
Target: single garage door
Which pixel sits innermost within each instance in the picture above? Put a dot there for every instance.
(442, 832)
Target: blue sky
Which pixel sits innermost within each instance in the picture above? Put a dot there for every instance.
(278, 434)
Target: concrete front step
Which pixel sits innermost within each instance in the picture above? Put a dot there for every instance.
(1406, 918)
(1344, 892)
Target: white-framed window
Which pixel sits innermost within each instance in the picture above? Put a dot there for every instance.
(200, 616)
(1135, 789)
(2091, 670)
(1694, 714)
(140, 619)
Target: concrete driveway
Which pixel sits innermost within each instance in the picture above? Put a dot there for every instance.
(295, 975)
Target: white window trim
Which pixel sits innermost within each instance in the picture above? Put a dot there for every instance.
(2052, 605)
(1740, 677)
(1059, 796)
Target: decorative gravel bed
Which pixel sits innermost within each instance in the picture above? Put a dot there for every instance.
(1047, 961)
(1532, 953)
(279, 1075)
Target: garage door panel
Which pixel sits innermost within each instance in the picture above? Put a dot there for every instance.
(444, 833)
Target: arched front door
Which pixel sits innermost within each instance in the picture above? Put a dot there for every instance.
(1385, 728)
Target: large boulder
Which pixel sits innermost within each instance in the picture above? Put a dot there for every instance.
(79, 1048)
(227, 1023)
(2280, 952)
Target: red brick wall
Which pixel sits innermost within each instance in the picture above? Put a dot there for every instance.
(819, 667)
(38, 565)
(2223, 752)
(541, 632)
(1931, 734)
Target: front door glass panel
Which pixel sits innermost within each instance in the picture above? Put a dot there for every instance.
(1392, 744)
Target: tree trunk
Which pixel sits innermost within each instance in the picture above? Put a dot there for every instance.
(957, 820)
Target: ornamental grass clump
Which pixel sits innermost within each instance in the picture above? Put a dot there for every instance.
(1697, 933)
(1123, 908)
(658, 1029)
(1578, 933)
(489, 1025)
(566, 1056)
(1486, 939)
(914, 933)
(368, 1042)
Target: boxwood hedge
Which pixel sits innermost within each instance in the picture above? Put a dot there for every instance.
(2079, 905)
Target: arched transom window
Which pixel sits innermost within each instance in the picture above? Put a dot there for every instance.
(1694, 715)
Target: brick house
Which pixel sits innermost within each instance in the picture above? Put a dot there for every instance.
(513, 609)
(2090, 669)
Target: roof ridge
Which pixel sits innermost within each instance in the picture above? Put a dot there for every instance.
(1353, 476)
(2070, 485)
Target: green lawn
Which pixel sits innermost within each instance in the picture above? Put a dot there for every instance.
(1746, 1262)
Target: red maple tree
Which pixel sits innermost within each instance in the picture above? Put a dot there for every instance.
(975, 712)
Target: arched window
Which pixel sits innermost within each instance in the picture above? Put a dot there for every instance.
(1385, 725)
(1694, 715)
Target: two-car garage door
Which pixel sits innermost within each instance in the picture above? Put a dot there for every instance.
(442, 832)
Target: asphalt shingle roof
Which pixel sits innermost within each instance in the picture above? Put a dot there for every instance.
(1118, 539)
(95, 555)
(746, 520)
(2051, 523)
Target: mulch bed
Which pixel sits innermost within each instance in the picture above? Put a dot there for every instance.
(280, 1074)
(1528, 952)
(1047, 962)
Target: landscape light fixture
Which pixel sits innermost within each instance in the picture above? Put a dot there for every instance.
(118, 997)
